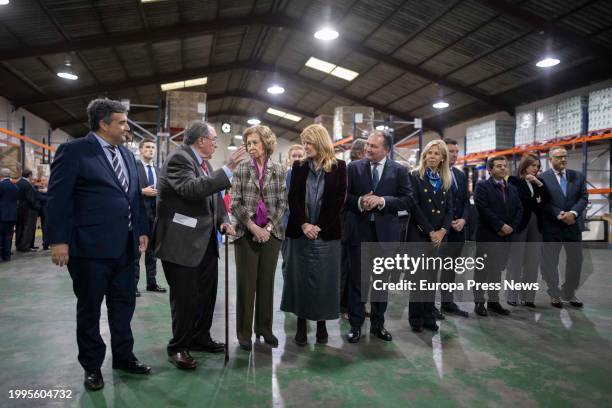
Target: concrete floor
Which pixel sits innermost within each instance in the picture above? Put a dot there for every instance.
(548, 358)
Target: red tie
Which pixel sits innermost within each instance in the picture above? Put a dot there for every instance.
(204, 168)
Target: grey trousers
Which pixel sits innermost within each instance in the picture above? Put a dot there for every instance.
(524, 260)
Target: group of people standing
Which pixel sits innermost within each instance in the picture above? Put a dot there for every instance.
(21, 204)
(319, 213)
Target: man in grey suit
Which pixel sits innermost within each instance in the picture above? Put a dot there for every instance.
(190, 211)
(562, 226)
(147, 176)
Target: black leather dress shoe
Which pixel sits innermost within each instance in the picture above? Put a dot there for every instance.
(132, 366)
(556, 302)
(496, 307)
(210, 347)
(354, 335)
(156, 288)
(480, 310)
(381, 333)
(182, 360)
(574, 301)
(417, 328)
(437, 314)
(93, 380)
(269, 339)
(431, 326)
(453, 309)
(246, 345)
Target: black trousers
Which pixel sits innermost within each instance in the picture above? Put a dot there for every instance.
(150, 264)
(496, 254)
(456, 240)
(356, 308)
(421, 305)
(193, 294)
(6, 238)
(26, 229)
(92, 280)
(551, 248)
(345, 268)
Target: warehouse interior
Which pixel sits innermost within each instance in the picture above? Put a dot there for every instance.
(503, 77)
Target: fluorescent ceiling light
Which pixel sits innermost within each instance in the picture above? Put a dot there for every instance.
(332, 69)
(321, 65)
(150, 1)
(547, 62)
(68, 75)
(4, 2)
(232, 146)
(239, 137)
(283, 114)
(276, 89)
(326, 34)
(344, 73)
(184, 84)
(440, 105)
(253, 121)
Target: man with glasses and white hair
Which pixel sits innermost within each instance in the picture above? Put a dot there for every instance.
(190, 211)
(562, 226)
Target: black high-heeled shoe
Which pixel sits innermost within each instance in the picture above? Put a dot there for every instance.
(322, 335)
(269, 339)
(300, 336)
(246, 345)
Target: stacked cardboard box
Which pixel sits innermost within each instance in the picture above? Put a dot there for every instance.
(525, 128)
(600, 109)
(345, 117)
(546, 123)
(490, 135)
(572, 116)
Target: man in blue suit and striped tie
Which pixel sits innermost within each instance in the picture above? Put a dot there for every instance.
(97, 226)
(562, 225)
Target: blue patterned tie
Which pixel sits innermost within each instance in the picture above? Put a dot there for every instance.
(121, 178)
(375, 176)
(563, 182)
(150, 175)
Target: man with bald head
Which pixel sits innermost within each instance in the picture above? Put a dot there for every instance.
(9, 195)
(562, 226)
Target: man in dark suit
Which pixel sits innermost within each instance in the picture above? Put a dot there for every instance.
(562, 226)
(97, 226)
(499, 214)
(27, 213)
(378, 188)
(190, 211)
(9, 195)
(147, 174)
(456, 236)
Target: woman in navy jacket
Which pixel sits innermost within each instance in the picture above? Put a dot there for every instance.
(430, 222)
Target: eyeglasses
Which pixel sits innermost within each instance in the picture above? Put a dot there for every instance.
(560, 157)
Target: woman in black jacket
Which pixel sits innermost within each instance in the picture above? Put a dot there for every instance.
(430, 220)
(524, 259)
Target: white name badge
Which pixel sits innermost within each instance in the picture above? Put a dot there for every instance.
(185, 220)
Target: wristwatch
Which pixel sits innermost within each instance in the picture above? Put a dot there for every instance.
(269, 228)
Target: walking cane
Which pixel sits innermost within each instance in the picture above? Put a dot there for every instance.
(226, 299)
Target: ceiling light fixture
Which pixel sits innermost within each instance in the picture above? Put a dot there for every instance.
(239, 137)
(253, 121)
(332, 69)
(276, 89)
(66, 72)
(284, 115)
(326, 34)
(547, 62)
(184, 84)
(440, 105)
(4, 2)
(232, 146)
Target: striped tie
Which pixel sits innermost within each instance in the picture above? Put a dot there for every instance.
(121, 178)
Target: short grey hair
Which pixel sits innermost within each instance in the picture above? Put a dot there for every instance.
(101, 110)
(387, 139)
(5, 172)
(194, 131)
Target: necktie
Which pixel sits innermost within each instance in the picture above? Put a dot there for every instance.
(375, 175)
(117, 168)
(150, 175)
(121, 178)
(502, 189)
(563, 182)
(455, 187)
(204, 168)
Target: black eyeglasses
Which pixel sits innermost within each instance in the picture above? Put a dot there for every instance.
(560, 157)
